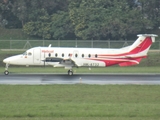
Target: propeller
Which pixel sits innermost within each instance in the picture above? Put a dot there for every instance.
(44, 63)
(45, 59)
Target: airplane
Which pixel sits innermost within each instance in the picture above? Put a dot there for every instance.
(84, 57)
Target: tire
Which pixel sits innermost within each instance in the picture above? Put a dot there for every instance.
(6, 72)
(70, 72)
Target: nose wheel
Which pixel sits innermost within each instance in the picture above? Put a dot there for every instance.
(6, 72)
(70, 72)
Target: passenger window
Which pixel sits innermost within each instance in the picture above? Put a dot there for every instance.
(89, 55)
(76, 55)
(56, 54)
(62, 54)
(49, 55)
(96, 55)
(82, 55)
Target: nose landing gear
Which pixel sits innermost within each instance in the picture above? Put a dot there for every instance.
(6, 72)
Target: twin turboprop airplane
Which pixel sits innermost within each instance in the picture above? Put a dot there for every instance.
(84, 57)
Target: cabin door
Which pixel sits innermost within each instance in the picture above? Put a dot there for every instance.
(37, 56)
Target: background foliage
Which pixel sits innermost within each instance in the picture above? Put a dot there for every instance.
(81, 19)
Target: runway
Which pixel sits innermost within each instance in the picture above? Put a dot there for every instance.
(98, 79)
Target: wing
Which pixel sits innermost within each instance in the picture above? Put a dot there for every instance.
(61, 62)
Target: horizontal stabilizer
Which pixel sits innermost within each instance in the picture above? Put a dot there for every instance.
(148, 35)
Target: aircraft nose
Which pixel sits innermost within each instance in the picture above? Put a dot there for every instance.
(6, 60)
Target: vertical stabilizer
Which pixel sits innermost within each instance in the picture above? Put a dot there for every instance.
(139, 49)
(143, 43)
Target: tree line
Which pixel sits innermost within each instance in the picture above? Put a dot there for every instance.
(80, 19)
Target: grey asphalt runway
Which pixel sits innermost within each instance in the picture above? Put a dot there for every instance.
(100, 79)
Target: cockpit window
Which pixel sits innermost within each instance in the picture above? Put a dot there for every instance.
(29, 53)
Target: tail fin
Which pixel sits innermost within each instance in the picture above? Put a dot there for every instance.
(143, 43)
(138, 49)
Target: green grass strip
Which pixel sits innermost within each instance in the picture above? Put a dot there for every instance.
(80, 102)
(16, 70)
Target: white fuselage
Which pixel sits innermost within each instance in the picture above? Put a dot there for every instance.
(88, 57)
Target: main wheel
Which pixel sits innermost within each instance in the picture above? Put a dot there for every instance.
(70, 72)
(6, 72)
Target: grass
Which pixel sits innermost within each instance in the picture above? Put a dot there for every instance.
(15, 70)
(79, 102)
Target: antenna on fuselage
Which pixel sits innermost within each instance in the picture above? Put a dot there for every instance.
(50, 45)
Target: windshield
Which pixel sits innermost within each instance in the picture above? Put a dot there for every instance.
(25, 53)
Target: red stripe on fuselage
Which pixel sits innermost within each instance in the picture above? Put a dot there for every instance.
(114, 61)
(143, 46)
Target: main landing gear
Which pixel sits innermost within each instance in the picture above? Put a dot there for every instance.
(6, 72)
(70, 72)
